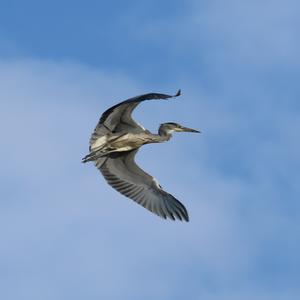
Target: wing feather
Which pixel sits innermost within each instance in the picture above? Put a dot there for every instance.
(124, 175)
(118, 118)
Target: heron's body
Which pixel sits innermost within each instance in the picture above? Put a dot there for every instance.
(124, 142)
(113, 146)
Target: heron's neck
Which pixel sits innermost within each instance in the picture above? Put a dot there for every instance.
(164, 135)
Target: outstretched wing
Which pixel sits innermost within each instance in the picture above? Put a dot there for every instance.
(123, 174)
(118, 117)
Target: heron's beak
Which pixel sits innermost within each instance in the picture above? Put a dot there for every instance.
(186, 129)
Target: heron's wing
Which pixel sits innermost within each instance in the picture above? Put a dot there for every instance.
(123, 174)
(118, 117)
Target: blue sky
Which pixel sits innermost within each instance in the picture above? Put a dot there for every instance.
(65, 234)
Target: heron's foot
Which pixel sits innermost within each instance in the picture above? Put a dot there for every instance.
(93, 155)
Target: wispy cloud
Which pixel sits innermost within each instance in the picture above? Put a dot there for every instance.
(255, 33)
(66, 234)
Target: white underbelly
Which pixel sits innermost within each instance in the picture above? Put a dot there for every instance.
(101, 141)
(125, 148)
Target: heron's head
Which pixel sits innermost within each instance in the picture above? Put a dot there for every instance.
(170, 127)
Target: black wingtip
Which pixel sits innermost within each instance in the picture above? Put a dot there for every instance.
(178, 93)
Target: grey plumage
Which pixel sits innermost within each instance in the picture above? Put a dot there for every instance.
(113, 146)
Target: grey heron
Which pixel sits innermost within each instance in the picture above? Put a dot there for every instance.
(113, 146)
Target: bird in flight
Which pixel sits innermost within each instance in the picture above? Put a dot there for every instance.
(113, 146)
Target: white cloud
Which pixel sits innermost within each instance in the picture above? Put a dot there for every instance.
(66, 234)
(235, 33)
(263, 32)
